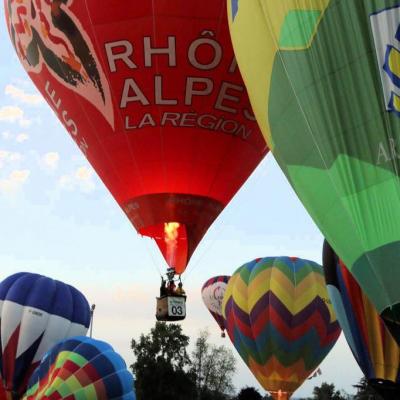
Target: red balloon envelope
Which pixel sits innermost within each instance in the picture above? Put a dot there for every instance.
(151, 93)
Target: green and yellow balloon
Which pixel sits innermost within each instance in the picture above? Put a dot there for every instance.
(324, 82)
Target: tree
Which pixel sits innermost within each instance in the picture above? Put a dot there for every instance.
(162, 363)
(249, 393)
(365, 391)
(327, 392)
(213, 368)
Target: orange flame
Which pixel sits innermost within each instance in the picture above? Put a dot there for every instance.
(280, 395)
(171, 240)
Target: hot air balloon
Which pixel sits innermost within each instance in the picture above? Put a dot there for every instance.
(81, 368)
(35, 313)
(373, 347)
(324, 82)
(212, 294)
(279, 318)
(151, 94)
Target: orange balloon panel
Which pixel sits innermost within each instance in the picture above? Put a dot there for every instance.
(151, 93)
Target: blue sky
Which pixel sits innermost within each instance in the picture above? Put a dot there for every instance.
(58, 219)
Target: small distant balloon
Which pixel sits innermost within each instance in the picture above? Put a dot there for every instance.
(212, 294)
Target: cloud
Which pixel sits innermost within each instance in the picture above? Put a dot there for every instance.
(22, 137)
(14, 181)
(50, 160)
(9, 157)
(21, 95)
(25, 123)
(14, 114)
(84, 176)
(83, 173)
(11, 113)
(6, 135)
(81, 179)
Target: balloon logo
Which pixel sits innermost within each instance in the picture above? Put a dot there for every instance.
(385, 28)
(161, 114)
(279, 318)
(326, 93)
(53, 38)
(218, 295)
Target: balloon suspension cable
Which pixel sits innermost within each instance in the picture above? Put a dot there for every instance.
(153, 261)
(257, 176)
(91, 319)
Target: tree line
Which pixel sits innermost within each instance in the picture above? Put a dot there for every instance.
(164, 370)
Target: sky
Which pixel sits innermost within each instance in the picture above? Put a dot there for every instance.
(58, 219)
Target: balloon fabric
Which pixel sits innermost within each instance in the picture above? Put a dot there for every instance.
(151, 93)
(81, 368)
(279, 318)
(35, 313)
(324, 82)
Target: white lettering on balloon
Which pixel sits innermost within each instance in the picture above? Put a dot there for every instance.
(189, 120)
(56, 104)
(204, 53)
(387, 151)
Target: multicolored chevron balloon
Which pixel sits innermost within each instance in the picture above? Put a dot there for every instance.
(279, 317)
(81, 368)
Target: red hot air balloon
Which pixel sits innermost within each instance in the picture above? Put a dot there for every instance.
(151, 93)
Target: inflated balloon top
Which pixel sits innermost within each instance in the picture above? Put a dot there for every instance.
(152, 95)
(212, 294)
(81, 368)
(373, 347)
(35, 313)
(324, 81)
(279, 318)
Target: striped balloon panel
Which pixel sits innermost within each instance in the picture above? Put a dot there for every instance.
(35, 313)
(373, 347)
(279, 318)
(212, 294)
(84, 369)
(5, 395)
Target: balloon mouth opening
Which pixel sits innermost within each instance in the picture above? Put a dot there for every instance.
(171, 238)
(385, 387)
(280, 395)
(391, 319)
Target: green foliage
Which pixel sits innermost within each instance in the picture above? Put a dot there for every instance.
(213, 367)
(164, 371)
(365, 391)
(249, 393)
(327, 392)
(164, 343)
(161, 364)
